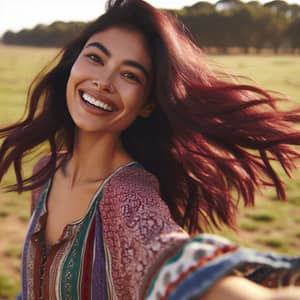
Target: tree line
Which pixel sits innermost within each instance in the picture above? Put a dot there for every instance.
(54, 35)
(224, 25)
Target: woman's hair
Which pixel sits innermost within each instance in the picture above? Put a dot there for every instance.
(210, 141)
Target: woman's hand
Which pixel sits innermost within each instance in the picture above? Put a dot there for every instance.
(238, 288)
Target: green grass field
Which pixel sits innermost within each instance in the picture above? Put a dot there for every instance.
(272, 225)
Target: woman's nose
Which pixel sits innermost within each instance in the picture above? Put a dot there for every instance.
(104, 84)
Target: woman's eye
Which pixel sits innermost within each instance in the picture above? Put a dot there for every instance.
(131, 76)
(95, 58)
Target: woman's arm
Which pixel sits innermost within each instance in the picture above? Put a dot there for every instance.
(239, 288)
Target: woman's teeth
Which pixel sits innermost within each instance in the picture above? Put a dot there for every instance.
(96, 102)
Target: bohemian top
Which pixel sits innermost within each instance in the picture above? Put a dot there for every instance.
(127, 246)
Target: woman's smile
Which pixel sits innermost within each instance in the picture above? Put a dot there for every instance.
(101, 104)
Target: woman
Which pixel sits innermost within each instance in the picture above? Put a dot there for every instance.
(131, 101)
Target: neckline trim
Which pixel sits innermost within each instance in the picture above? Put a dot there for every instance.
(93, 198)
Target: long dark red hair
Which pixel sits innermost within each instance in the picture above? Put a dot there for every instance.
(209, 141)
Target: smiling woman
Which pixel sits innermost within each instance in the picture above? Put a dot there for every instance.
(146, 146)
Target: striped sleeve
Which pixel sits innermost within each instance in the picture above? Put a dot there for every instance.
(205, 259)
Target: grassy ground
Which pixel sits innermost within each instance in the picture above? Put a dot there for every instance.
(272, 226)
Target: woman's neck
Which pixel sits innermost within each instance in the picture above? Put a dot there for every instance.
(94, 158)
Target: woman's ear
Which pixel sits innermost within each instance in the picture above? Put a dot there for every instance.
(147, 110)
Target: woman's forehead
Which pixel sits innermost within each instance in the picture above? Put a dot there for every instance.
(122, 43)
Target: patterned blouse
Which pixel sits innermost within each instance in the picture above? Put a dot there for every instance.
(128, 247)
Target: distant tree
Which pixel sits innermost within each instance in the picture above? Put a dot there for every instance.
(242, 27)
(55, 35)
(228, 5)
(221, 28)
(277, 6)
(253, 4)
(198, 18)
(202, 7)
(294, 11)
(9, 37)
(278, 23)
(293, 33)
(261, 26)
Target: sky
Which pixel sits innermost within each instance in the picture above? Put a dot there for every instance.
(18, 14)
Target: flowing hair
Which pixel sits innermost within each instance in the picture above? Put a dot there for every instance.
(210, 141)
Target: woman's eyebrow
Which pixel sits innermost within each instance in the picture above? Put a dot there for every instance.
(130, 63)
(99, 46)
(138, 66)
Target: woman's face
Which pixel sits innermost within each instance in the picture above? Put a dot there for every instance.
(110, 81)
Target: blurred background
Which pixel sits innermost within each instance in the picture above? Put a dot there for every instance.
(259, 40)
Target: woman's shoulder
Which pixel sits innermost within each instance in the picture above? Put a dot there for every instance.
(132, 204)
(133, 188)
(133, 178)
